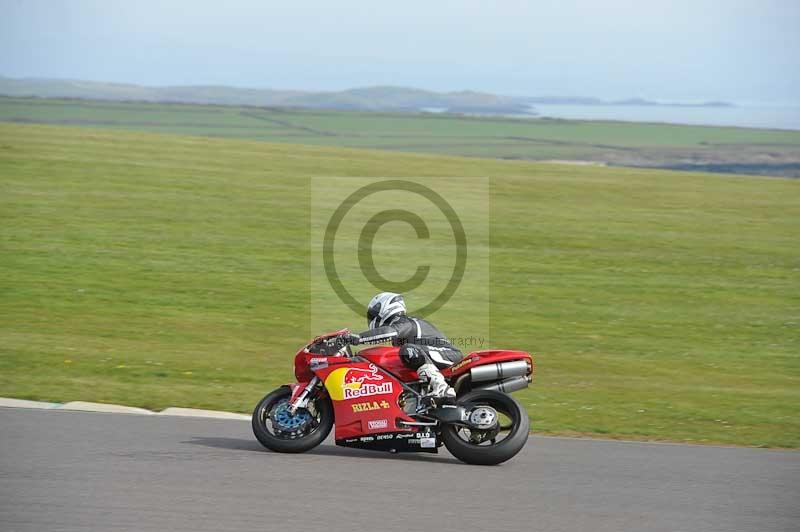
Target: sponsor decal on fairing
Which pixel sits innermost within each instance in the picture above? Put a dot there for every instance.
(370, 405)
(378, 424)
(464, 362)
(427, 443)
(352, 383)
(318, 363)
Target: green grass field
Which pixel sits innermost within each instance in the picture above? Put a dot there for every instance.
(618, 143)
(158, 270)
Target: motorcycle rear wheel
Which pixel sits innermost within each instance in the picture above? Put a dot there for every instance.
(300, 433)
(461, 442)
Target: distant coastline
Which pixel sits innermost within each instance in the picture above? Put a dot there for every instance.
(388, 99)
(632, 102)
(381, 98)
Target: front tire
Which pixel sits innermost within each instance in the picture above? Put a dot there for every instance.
(473, 447)
(278, 431)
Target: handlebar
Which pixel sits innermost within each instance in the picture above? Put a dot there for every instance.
(332, 343)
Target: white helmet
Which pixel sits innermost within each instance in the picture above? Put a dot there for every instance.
(384, 308)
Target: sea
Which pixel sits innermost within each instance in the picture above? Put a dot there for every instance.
(740, 115)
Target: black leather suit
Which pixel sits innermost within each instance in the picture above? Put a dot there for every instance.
(419, 341)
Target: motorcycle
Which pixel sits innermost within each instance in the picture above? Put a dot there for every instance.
(377, 403)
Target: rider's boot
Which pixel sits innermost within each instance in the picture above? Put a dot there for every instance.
(438, 389)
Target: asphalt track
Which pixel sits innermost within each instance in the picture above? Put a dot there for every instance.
(65, 471)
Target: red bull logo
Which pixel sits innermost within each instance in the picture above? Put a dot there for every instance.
(352, 383)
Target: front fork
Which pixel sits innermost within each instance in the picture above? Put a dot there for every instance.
(301, 400)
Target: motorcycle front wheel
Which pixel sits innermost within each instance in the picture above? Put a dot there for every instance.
(495, 444)
(279, 430)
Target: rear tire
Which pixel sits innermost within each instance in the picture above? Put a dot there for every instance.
(296, 444)
(498, 452)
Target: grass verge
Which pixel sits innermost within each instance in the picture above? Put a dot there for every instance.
(155, 270)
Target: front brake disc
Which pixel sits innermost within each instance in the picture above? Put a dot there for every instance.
(287, 424)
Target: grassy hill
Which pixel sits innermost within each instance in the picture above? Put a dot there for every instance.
(617, 143)
(385, 98)
(158, 270)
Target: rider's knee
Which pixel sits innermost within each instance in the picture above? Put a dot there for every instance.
(413, 356)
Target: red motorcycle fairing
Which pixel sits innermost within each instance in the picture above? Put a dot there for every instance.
(365, 398)
(304, 361)
(388, 358)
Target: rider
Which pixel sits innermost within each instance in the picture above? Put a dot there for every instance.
(422, 346)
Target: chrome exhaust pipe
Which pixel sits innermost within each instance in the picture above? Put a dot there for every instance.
(506, 386)
(500, 370)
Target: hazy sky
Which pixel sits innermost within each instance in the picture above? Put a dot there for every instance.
(677, 49)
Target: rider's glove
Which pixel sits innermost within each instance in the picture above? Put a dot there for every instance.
(351, 338)
(347, 339)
